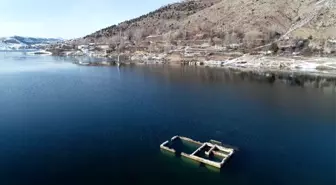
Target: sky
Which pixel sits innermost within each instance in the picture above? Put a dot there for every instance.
(68, 18)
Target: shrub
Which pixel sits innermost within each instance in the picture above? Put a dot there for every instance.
(274, 47)
(252, 38)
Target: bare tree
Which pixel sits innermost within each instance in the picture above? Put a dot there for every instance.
(180, 34)
(121, 45)
(101, 40)
(252, 38)
(129, 34)
(272, 33)
(80, 41)
(138, 35)
(231, 38)
(167, 37)
(148, 31)
(113, 41)
(168, 42)
(152, 47)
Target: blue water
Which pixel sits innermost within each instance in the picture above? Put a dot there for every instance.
(66, 124)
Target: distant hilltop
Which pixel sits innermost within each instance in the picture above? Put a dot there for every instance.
(19, 42)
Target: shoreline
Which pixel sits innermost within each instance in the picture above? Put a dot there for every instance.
(317, 72)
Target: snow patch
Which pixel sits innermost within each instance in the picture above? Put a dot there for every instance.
(249, 62)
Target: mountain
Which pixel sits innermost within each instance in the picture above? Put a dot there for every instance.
(18, 42)
(251, 23)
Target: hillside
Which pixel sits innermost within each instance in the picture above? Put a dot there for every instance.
(288, 26)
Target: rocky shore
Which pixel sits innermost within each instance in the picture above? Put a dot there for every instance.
(292, 68)
(315, 72)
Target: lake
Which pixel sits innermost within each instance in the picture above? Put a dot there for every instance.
(63, 124)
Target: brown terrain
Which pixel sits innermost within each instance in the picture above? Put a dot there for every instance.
(221, 33)
(246, 24)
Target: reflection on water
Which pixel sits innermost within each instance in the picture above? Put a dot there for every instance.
(14, 62)
(205, 75)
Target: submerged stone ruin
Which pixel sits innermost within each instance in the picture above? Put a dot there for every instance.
(211, 154)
